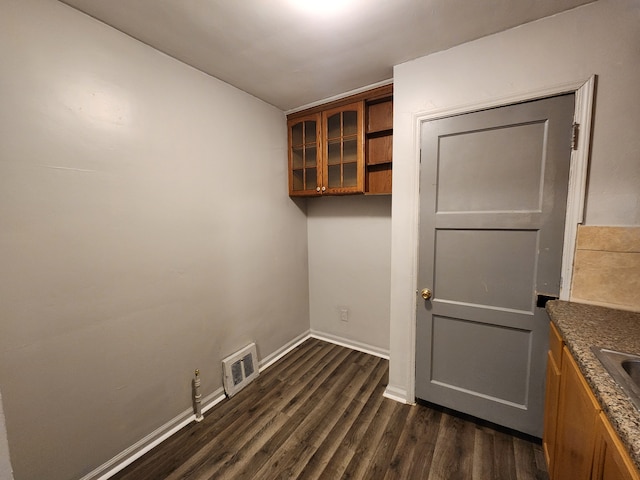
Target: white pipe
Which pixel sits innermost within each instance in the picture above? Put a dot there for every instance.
(197, 396)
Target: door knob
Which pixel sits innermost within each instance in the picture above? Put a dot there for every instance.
(426, 293)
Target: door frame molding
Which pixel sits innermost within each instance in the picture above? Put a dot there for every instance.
(584, 91)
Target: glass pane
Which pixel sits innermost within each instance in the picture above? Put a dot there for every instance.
(310, 131)
(350, 175)
(312, 180)
(297, 180)
(350, 123)
(333, 126)
(296, 134)
(350, 151)
(297, 157)
(333, 155)
(310, 157)
(334, 176)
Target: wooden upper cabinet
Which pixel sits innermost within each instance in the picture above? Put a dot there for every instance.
(305, 176)
(343, 147)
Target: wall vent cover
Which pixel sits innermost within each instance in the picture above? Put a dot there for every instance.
(239, 369)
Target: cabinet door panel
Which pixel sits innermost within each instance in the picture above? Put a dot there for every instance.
(551, 410)
(304, 155)
(343, 170)
(555, 344)
(576, 431)
(611, 460)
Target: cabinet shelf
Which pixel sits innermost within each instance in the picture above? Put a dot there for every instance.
(379, 150)
(380, 115)
(379, 145)
(378, 179)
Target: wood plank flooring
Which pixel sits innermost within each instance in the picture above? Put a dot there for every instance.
(319, 413)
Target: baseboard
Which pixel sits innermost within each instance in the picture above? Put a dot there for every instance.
(345, 342)
(155, 438)
(269, 360)
(397, 394)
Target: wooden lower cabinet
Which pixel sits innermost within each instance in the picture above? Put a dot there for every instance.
(611, 461)
(552, 396)
(579, 442)
(576, 428)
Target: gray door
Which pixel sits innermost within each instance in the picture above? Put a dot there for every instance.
(493, 190)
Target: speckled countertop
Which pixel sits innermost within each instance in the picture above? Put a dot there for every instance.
(583, 326)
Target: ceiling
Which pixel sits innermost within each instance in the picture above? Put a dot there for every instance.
(291, 56)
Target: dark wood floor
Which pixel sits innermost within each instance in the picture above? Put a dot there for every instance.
(319, 413)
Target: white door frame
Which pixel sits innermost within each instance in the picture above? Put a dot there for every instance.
(584, 92)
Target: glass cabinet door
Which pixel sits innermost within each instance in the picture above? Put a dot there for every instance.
(304, 156)
(343, 168)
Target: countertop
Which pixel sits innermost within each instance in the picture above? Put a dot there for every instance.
(583, 326)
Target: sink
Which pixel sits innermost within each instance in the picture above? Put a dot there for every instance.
(624, 368)
(632, 367)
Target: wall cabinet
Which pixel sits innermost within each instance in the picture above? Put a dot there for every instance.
(579, 442)
(331, 152)
(326, 152)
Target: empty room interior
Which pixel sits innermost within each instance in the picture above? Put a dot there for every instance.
(334, 239)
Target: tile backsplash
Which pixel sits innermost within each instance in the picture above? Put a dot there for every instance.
(606, 269)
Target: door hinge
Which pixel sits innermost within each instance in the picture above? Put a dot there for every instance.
(575, 131)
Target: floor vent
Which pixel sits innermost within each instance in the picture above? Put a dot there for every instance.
(239, 369)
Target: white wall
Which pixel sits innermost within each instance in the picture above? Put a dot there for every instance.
(349, 267)
(601, 38)
(146, 232)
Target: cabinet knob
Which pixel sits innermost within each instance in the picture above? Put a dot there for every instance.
(317, 189)
(324, 188)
